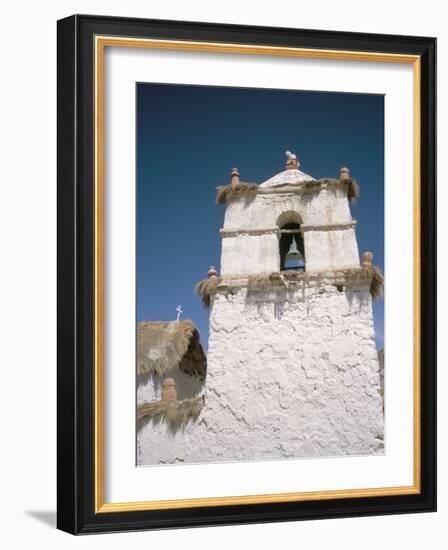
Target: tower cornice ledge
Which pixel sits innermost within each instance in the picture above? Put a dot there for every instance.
(248, 231)
(359, 276)
(268, 230)
(329, 227)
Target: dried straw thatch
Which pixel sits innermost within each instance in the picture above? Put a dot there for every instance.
(352, 190)
(205, 288)
(265, 281)
(350, 184)
(377, 284)
(261, 281)
(226, 192)
(292, 276)
(163, 345)
(177, 414)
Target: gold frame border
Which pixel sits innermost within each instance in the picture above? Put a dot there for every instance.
(101, 42)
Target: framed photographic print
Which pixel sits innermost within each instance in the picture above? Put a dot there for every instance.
(246, 274)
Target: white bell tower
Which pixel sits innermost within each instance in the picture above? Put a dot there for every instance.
(292, 346)
(292, 369)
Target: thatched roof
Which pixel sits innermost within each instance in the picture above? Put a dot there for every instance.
(163, 345)
(177, 414)
(226, 192)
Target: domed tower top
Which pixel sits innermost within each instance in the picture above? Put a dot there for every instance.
(290, 176)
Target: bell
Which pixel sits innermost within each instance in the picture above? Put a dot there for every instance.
(294, 253)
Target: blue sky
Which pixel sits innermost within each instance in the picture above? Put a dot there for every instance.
(188, 140)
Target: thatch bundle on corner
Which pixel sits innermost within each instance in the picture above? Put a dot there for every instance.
(350, 184)
(205, 288)
(377, 284)
(163, 345)
(352, 190)
(177, 414)
(226, 192)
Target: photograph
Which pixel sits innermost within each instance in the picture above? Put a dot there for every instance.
(259, 274)
(246, 263)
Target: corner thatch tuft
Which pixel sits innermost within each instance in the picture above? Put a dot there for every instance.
(163, 345)
(262, 281)
(226, 192)
(377, 284)
(352, 190)
(205, 288)
(177, 414)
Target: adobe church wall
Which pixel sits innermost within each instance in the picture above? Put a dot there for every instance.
(326, 206)
(245, 253)
(330, 249)
(292, 373)
(258, 252)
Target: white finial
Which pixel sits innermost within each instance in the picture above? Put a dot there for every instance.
(292, 163)
(179, 311)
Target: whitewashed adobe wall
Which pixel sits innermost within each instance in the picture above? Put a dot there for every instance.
(250, 239)
(285, 379)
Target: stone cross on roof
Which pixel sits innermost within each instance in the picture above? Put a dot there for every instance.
(179, 311)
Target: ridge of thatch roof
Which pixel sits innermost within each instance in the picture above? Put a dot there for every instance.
(163, 345)
(206, 287)
(226, 192)
(177, 414)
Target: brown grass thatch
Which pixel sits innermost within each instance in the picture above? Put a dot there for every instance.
(352, 190)
(262, 281)
(377, 284)
(205, 288)
(226, 192)
(177, 414)
(351, 186)
(292, 276)
(163, 345)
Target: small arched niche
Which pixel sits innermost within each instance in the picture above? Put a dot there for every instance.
(289, 224)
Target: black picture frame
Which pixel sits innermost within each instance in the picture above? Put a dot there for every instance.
(76, 286)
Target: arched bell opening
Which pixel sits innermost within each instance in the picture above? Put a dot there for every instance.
(292, 250)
